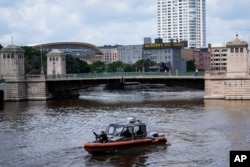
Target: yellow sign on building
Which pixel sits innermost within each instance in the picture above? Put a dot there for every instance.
(162, 45)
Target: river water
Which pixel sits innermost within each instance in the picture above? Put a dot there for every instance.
(52, 133)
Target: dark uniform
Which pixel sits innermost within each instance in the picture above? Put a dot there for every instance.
(103, 137)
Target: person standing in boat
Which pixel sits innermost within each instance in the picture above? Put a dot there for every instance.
(103, 137)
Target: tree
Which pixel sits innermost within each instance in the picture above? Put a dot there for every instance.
(1, 46)
(74, 65)
(116, 66)
(98, 66)
(83, 66)
(191, 66)
(128, 68)
(143, 65)
(71, 65)
(32, 60)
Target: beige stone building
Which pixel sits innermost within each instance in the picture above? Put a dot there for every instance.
(12, 63)
(56, 62)
(12, 71)
(110, 54)
(237, 58)
(234, 83)
(19, 86)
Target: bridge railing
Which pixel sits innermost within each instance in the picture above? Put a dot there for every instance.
(215, 73)
(123, 74)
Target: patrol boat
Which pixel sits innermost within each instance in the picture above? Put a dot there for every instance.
(122, 136)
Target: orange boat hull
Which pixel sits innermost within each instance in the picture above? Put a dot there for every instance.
(112, 147)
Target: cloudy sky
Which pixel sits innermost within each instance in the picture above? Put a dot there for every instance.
(108, 22)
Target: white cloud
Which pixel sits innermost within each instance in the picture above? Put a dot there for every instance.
(97, 21)
(108, 22)
(226, 18)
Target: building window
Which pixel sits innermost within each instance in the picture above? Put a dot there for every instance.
(241, 50)
(232, 50)
(236, 50)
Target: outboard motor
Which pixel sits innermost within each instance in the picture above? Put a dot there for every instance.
(153, 134)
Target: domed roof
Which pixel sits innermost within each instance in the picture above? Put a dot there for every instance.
(55, 52)
(237, 42)
(12, 48)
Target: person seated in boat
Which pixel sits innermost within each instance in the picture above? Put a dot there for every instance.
(126, 133)
(139, 132)
(103, 138)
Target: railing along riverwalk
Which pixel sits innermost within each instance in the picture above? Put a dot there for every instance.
(115, 75)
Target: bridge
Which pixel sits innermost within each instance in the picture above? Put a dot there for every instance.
(69, 84)
(42, 87)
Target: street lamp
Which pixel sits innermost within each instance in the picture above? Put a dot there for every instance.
(42, 72)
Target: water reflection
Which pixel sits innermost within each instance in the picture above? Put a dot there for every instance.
(52, 133)
(135, 157)
(140, 96)
(17, 110)
(236, 121)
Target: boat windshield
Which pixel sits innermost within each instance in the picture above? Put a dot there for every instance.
(114, 130)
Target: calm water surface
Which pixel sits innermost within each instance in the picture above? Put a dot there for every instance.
(52, 133)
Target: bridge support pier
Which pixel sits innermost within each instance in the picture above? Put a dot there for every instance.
(37, 88)
(222, 87)
(33, 88)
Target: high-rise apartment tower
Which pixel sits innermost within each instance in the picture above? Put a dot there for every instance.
(182, 20)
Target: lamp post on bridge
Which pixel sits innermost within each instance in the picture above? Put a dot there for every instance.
(42, 72)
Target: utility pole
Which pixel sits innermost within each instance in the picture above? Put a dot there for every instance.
(42, 72)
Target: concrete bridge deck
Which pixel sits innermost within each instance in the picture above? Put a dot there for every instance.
(126, 75)
(61, 84)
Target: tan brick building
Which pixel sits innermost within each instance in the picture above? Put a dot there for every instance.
(218, 58)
